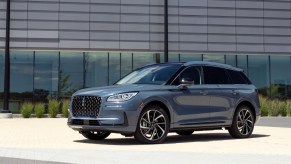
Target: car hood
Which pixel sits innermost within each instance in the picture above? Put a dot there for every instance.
(115, 89)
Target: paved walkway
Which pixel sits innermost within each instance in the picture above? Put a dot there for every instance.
(41, 140)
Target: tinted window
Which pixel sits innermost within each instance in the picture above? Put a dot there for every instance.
(154, 74)
(189, 74)
(215, 75)
(236, 77)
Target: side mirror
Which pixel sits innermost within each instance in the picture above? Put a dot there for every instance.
(184, 82)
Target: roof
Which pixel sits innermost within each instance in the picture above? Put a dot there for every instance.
(200, 63)
(203, 63)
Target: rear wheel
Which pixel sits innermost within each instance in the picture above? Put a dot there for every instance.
(243, 123)
(95, 135)
(185, 132)
(153, 125)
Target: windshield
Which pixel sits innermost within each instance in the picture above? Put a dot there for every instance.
(154, 74)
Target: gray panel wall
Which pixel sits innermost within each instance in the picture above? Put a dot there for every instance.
(2, 22)
(253, 26)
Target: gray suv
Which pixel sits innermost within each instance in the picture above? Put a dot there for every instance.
(157, 99)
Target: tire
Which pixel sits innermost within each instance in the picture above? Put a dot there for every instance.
(91, 135)
(153, 125)
(243, 122)
(185, 132)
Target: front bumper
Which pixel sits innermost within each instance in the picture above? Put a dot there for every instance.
(112, 117)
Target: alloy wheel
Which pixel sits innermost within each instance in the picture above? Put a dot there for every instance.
(153, 125)
(245, 122)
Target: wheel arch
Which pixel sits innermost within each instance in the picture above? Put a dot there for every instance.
(160, 104)
(249, 104)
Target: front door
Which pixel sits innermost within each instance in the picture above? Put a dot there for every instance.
(191, 104)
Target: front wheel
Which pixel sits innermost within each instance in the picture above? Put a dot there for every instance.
(243, 123)
(95, 135)
(153, 125)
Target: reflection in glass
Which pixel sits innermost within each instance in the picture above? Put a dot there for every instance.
(162, 57)
(280, 77)
(126, 63)
(46, 75)
(242, 63)
(153, 74)
(71, 73)
(96, 69)
(190, 57)
(2, 69)
(218, 58)
(174, 57)
(114, 67)
(258, 70)
(21, 75)
(141, 59)
(230, 60)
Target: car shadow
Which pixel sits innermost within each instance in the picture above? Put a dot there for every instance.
(172, 139)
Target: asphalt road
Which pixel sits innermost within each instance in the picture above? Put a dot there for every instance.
(42, 141)
(284, 122)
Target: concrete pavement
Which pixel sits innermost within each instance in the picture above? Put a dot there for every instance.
(50, 140)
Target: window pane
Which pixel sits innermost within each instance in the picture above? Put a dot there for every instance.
(242, 63)
(2, 69)
(96, 68)
(230, 60)
(162, 57)
(21, 75)
(218, 58)
(280, 76)
(126, 63)
(71, 72)
(191, 74)
(173, 57)
(190, 57)
(214, 75)
(141, 59)
(114, 67)
(237, 77)
(258, 67)
(46, 75)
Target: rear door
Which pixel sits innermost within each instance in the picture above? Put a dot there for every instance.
(220, 92)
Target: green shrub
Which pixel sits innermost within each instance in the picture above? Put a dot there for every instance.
(277, 108)
(264, 106)
(53, 108)
(282, 108)
(288, 108)
(65, 108)
(26, 109)
(274, 108)
(39, 110)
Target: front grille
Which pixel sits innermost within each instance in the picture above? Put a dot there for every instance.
(86, 106)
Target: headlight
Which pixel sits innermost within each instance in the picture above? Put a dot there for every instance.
(121, 97)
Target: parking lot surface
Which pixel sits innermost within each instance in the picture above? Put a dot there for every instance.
(49, 140)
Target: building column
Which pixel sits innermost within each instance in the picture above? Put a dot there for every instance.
(5, 112)
(166, 39)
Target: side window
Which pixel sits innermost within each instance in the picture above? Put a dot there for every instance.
(237, 78)
(215, 75)
(190, 74)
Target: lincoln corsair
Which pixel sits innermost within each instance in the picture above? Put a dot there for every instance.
(157, 99)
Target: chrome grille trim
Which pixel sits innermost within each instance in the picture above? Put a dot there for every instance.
(86, 106)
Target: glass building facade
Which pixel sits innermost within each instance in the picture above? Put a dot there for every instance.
(39, 75)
